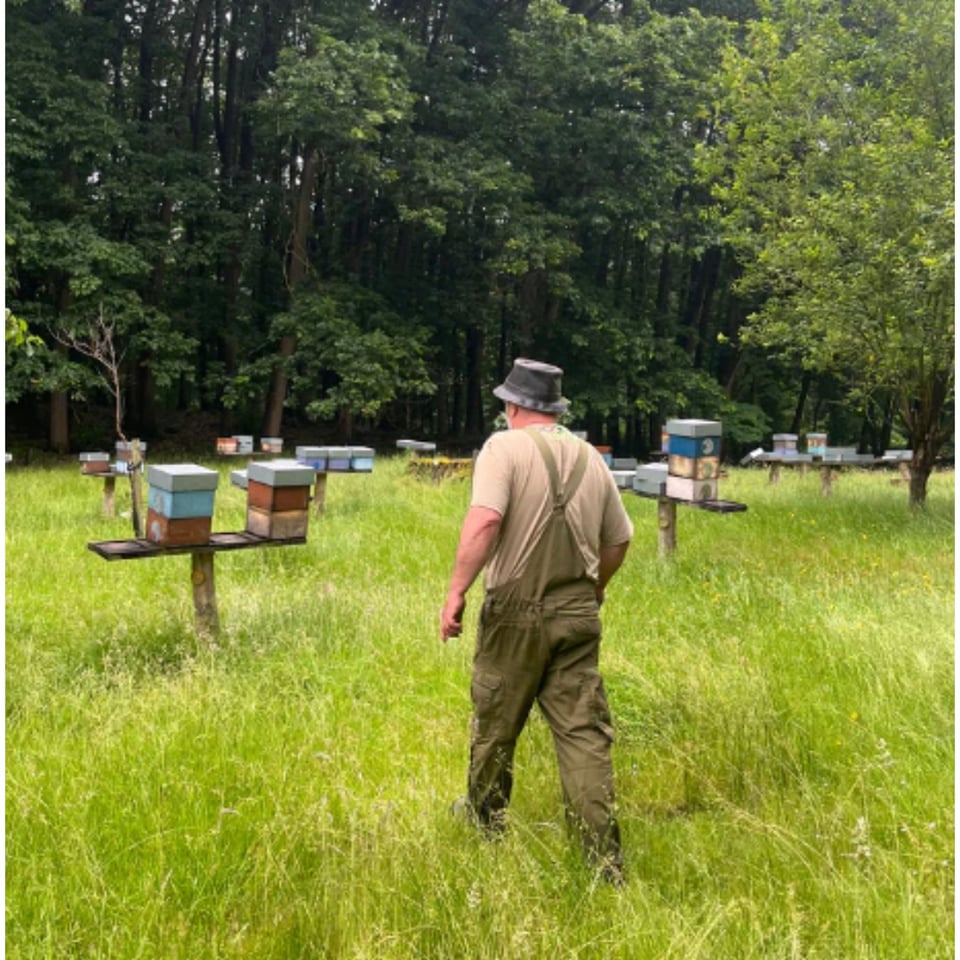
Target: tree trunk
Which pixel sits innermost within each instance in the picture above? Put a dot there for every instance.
(296, 273)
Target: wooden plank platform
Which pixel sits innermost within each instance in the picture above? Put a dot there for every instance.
(134, 549)
(713, 506)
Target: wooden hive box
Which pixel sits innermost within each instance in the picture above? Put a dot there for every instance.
(271, 445)
(278, 492)
(244, 442)
(95, 462)
(694, 468)
(695, 491)
(226, 445)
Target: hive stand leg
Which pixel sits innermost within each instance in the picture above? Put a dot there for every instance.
(826, 481)
(320, 492)
(774, 473)
(109, 500)
(667, 527)
(204, 593)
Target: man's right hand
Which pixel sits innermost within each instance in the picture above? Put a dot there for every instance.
(451, 617)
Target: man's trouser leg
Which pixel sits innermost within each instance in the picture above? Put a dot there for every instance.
(507, 668)
(574, 702)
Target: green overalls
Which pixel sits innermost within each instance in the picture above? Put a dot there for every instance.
(539, 639)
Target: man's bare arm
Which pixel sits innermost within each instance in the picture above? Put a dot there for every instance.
(478, 535)
(611, 557)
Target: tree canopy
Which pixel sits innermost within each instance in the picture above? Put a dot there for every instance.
(358, 216)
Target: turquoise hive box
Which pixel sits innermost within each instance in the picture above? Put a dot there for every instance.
(361, 459)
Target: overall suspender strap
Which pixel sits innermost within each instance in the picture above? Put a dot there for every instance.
(560, 497)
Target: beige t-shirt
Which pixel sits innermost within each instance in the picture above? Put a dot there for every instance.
(511, 478)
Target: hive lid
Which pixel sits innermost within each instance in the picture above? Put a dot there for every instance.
(182, 476)
(281, 473)
(694, 428)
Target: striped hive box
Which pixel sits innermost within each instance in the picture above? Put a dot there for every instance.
(95, 462)
(271, 445)
(180, 503)
(694, 468)
(244, 442)
(226, 444)
(313, 457)
(695, 491)
(816, 444)
(361, 459)
(278, 492)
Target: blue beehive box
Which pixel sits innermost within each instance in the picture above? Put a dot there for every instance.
(315, 457)
(338, 458)
(361, 459)
(693, 446)
(817, 444)
(179, 491)
(178, 505)
(693, 438)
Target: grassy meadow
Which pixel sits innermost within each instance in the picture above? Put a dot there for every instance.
(782, 690)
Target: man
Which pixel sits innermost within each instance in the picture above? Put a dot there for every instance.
(547, 523)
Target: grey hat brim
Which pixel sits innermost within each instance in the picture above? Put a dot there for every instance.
(503, 392)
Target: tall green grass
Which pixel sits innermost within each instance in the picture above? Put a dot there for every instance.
(782, 690)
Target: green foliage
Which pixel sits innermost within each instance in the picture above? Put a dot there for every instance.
(840, 196)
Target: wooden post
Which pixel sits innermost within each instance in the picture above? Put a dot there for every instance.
(667, 527)
(320, 491)
(826, 480)
(774, 472)
(109, 501)
(136, 493)
(904, 469)
(204, 593)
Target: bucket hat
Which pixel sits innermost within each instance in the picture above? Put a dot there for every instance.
(533, 385)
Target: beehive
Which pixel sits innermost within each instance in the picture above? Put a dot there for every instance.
(651, 479)
(693, 459)
(125, 451)
(278, 493)
(94, 462)
(338, 459)
(682, 488)
(816, 444)
(244, 442)
(180, 501)
(361, 459)
(313, 457)
(271, 444)
(785, 443)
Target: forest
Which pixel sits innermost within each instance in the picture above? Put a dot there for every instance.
(352, 216)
